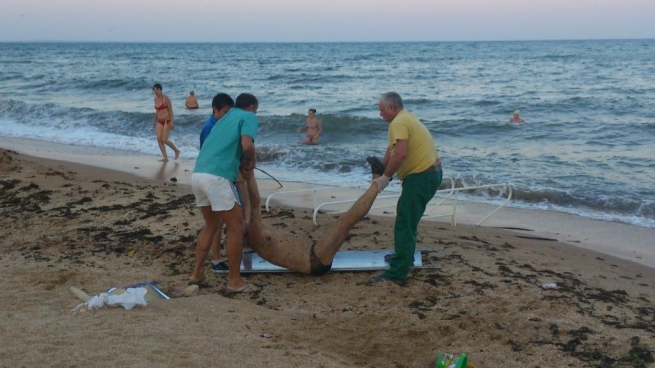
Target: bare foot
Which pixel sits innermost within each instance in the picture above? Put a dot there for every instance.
(177, 154)
(164, 160)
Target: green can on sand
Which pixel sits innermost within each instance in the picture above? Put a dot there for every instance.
(451, 361)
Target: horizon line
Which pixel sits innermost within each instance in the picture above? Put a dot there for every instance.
(326, 42)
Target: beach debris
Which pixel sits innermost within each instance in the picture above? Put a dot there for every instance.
(549, 285)
(80, 294)
(191, 290)
(138, 294)
(127, 299)
(267, 335)
(451, 361)
(174, 179)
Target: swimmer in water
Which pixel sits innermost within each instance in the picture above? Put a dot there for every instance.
(516, 118)
(313, 128)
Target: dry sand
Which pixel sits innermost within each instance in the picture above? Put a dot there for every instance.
(68, 224)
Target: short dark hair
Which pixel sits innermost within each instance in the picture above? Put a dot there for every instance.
(221, 100)
(191, 93)
(313, 110)
(245, 100)
(158, 86)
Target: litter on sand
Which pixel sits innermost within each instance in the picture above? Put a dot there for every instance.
(128, 298)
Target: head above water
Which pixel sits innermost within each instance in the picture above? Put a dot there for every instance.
(517, 111)
(247, 101)
(313, 111)
(191, 93)
(390, 105)
(157, 86)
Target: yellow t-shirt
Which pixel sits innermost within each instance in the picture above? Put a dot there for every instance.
(421, 151)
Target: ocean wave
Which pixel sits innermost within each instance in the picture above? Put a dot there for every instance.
(556, 57)
(624, 203)
(122, 84)
(271, 154)
(51, 115)
(483, 103)
(417, 101)
(340, 124)
(585, 147)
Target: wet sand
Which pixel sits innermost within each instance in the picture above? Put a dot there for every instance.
(70, 224)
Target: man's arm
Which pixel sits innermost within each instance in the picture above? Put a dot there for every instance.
(248, 159)
(387, 156)
(396, 159)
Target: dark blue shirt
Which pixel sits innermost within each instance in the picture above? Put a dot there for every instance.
(206, 128)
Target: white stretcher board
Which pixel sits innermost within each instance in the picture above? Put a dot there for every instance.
(344, 260)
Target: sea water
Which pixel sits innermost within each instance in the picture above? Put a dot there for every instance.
(587, 147)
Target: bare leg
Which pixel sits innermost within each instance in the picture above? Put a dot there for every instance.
(160, 142)
(216, 242)
(330, 243)
(283, 249)
(204, 242)
(278, 247)
(166, 131)
(233, 220)
(243, 189)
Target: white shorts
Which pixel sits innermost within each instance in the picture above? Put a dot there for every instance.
(215, 191)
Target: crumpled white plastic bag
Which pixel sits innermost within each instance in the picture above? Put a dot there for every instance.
(128, 300)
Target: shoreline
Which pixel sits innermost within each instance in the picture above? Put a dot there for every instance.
(626, 241)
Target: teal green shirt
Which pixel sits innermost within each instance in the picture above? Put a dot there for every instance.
(221, 153)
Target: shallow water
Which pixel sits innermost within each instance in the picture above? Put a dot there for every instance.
(586, 148)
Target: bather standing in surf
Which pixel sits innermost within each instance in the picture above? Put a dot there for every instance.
(163, 122)
(313, 128)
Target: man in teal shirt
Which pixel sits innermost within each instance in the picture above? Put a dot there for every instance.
(228, 149)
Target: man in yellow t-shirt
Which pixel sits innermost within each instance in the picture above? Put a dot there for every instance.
(412, 156)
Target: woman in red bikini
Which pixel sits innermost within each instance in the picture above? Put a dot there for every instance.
(163, 122)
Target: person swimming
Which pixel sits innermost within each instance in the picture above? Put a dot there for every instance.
(191, 101)
(516, 118)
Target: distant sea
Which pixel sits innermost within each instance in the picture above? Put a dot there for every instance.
(587, 147)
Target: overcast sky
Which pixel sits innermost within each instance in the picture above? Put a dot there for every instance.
(324, 21)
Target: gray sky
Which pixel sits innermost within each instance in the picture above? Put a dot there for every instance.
(325, 21)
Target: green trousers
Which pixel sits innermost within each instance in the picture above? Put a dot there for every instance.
(418, 190)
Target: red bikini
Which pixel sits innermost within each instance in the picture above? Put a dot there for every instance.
(163, 106)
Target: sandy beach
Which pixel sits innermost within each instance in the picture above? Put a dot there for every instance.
(117, 221)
